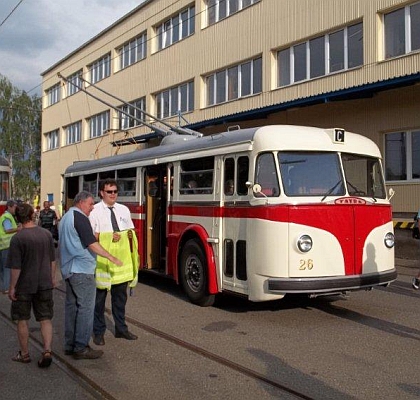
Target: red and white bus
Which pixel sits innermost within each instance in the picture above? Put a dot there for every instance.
(4, 184)
(259, 212)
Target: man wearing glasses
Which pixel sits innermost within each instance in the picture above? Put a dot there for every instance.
(112, 225)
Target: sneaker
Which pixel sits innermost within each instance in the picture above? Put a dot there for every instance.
(87, 354)
(416, 283)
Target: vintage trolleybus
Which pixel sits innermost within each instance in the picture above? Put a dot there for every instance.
(259, 212)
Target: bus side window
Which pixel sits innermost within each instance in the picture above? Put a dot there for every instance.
(229, 185)
(90, 183)
(266, 176)
(196, 176)
(242, 175)
(126, 179)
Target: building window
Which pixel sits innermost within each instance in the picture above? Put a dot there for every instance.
(220, 9)
(73, 132)
(235, 82)
(98, 124)
(178, 99)
(100, 69)
(72, 81)
(52, 139)
(133, 51)
(176, 28)
(134, 110)
(53, 94)
(402, 31)
(402, 156)
(336, 51)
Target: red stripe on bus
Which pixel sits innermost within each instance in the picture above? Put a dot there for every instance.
(350, 224)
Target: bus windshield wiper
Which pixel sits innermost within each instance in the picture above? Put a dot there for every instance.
(331, 190)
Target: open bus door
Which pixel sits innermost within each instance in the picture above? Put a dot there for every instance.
(71, 188)
(155, 217)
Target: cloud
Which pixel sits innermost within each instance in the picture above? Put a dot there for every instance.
(40, 33)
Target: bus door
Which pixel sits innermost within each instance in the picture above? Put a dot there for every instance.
(234, 225)
(155, 217)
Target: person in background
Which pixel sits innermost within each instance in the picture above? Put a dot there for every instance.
(57, 213)
(78, 250)
(8, 228)
(229, 187)
(113, 227)
(31, 259)
(37, 211)
(47, 217)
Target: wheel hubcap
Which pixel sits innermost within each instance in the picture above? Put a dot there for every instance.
(193, 273)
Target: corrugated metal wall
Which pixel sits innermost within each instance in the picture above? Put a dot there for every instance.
(260, 29)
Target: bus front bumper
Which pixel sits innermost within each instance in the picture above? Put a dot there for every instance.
(331, 284)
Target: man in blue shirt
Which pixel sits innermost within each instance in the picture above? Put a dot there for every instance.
(78, 250)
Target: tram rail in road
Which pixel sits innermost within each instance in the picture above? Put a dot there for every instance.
(315, 349)
(95, 389)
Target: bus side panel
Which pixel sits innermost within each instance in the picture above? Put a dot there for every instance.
(179, 230)
(267, 256)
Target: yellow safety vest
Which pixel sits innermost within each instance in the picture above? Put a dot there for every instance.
(5, 238)
(107, 273)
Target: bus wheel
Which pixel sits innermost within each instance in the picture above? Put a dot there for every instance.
(194, 274)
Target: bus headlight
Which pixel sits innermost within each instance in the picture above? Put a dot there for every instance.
(389, 240)
(304, 243)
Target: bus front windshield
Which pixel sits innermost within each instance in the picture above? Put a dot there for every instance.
(363, 176)
(311, 174)
(320, 174)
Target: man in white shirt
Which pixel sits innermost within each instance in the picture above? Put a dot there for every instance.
(110, 216)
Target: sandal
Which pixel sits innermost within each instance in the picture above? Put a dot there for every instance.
(23, 358)
(45, 360)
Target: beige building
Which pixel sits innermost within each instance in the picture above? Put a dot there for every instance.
(212, 64)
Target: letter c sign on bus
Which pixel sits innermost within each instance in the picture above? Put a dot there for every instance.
(339, 135)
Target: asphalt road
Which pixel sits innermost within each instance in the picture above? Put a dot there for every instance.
(365, 346)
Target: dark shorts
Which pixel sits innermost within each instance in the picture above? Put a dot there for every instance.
(41, 302)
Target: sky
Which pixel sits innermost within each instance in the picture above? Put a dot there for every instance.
(41, 32)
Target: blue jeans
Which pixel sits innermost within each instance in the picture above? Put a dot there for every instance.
(80, 305)
(4, 272)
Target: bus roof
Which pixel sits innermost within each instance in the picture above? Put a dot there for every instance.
(267, 138)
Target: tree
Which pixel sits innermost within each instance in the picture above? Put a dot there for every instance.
(20, 138)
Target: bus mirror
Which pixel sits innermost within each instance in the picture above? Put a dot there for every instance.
(391, 193)
(256, 188)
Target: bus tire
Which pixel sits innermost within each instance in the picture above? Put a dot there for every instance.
(194, 275)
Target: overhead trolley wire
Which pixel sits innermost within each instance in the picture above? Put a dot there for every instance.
(11, 12)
